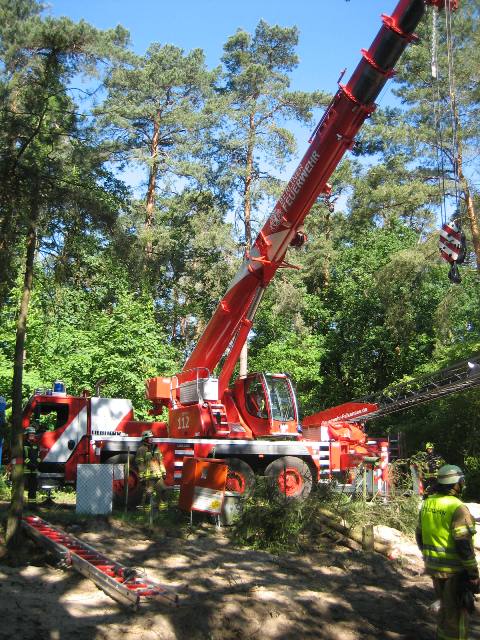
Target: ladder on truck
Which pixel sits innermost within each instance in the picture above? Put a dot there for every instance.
(121, 583)
(461, 376)
(396, 446)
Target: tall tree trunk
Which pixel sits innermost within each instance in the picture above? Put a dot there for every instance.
(327, 258)
(7, 244)
(152, 182)
(8, 217)
(13, 536)
(247, 211)
(247, 194)
(471, 213)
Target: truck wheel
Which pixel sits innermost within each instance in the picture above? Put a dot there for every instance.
(240, 476)
(134, 487)
(290, 477)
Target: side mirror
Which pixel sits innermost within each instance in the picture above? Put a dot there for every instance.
(71, 444)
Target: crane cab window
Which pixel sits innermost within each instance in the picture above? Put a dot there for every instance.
(281, 401)
(255, 399)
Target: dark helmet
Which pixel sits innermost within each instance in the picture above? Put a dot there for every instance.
(450, 474)
(30, 431)
(146, 435)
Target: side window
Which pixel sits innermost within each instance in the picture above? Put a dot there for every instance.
(50, 417)
(255, 399)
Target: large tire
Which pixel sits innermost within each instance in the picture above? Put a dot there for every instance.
(134, 486)
(240, 477)
(290, 478)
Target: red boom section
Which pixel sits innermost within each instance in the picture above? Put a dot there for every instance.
(334, 135)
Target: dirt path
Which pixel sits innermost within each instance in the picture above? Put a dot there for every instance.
(226, 593)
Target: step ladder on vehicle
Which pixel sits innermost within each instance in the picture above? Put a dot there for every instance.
(122, 583)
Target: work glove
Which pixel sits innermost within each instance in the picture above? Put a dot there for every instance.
(467, 586)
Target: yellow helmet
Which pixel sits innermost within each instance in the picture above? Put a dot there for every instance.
(429, 445)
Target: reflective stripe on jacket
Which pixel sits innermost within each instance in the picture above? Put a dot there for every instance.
(439, 533)
(431, 465)
(31, 458)
(149, 463)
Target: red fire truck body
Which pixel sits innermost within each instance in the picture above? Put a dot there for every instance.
(92, 430)
(254, 422)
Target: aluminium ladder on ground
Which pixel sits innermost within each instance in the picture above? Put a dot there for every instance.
(121, 583)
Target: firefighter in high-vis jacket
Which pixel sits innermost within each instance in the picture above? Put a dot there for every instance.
(31, 460)
(430, 465)
(151, 470)
(444, 534)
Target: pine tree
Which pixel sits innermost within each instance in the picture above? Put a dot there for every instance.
(257, 87)
(154, 111)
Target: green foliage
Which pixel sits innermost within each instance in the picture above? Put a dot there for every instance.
(5, 492)
(195, 261)
(400, 513)
(102, 332)
(266, 523)
(43, 140)
(471, 468)
(253, 141)
(458, 324)
(160, 93)
(377, 312)
(281, 526)
(296, 354)
(451, 423)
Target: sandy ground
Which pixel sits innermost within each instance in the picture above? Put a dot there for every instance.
(330, 593)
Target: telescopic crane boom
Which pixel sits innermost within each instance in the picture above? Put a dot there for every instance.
(334, 135)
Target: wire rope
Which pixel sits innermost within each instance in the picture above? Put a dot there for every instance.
(437, 120)
(453, 101)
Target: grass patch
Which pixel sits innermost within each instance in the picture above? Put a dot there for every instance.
(167, 516)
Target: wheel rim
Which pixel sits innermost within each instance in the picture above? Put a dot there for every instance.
(290, 482)
(236, 482)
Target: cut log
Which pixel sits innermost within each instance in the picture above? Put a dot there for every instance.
(330, 520)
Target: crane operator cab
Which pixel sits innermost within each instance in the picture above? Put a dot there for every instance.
(268, 404)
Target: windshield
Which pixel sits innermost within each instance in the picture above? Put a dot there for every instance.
(49, 417)
(281, 400)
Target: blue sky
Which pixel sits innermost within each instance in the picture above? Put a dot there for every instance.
(332, 32)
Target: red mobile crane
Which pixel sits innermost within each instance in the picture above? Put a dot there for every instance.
(253, 423)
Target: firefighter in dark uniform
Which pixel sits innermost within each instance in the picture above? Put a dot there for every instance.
(444, 535)
(431, 463)
(151, 470)
(31, 460)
